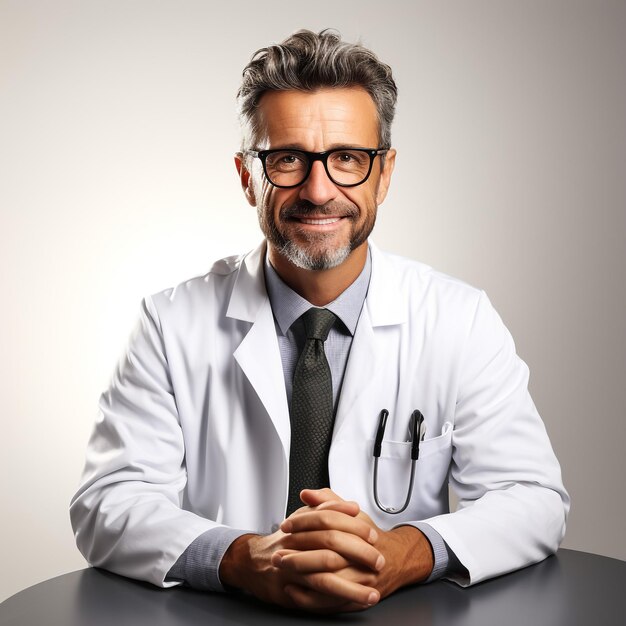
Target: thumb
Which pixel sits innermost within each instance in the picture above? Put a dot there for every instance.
(315, 497)
(327, 499)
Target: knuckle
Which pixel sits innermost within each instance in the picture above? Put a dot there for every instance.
(334, 539)
(370, 554)
(330, 560)
(326, 518)
(324, 583)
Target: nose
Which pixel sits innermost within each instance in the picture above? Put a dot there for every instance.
(318, 188)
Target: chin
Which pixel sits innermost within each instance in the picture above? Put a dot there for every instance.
(315, 260)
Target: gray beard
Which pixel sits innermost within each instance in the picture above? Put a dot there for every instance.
(296, 253)
(306, 261)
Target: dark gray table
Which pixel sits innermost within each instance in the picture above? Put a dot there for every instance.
(570, 588)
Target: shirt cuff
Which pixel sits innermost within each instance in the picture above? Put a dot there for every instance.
(198, 566)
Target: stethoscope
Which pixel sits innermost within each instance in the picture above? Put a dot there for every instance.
(417, 431)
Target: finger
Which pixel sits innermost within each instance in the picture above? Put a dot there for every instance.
(302, 509)
(331, 584)
(279, 554)
(318, 602)
(347, 545)
(342, 506)
(308, 561)
(315, 497)
(330, 520)
(366, 518)
(303, 565)
(359, 575)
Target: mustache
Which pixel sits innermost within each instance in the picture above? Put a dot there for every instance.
(302, 208)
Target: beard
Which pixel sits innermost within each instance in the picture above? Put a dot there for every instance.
(315, 251)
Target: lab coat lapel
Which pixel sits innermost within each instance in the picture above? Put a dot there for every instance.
(384, 306)
(360, 369)
(258, 354)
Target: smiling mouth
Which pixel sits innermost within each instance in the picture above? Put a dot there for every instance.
(318, 222)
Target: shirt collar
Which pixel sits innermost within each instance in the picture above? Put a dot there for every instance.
(288, 306)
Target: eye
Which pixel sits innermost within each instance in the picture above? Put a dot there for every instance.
(349, 160)
(345, 157)
(285, 160)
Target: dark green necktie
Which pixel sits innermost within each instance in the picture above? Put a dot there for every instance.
(311, 411)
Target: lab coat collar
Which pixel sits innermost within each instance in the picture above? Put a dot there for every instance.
(385, 295)
(249, 292)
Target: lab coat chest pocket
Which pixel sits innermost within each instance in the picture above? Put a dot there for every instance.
(429, 495)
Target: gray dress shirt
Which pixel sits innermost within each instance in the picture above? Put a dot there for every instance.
(198, 566)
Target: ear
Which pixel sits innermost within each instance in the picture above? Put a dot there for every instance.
(385, 176)
(245, 178)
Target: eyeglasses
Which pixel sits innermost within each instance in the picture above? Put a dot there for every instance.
(346, 167)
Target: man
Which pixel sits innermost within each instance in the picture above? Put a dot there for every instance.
(234, 447)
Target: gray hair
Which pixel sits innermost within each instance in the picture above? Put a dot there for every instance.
(307, 61)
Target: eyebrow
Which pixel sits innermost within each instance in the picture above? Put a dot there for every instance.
(335, 146)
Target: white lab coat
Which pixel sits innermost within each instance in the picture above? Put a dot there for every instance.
(194, 431)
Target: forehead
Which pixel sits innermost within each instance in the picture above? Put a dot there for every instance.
(318, 120)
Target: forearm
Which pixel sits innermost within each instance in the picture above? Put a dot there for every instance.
(503, 531)
(133, 529)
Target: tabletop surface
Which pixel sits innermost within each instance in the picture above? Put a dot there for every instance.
(573, 588)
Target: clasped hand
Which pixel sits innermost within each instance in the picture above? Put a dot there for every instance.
(328, 556)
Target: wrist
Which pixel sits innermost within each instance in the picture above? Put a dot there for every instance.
(417, 560)
(236, 562)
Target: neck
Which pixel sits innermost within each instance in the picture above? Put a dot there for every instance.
(320, 287)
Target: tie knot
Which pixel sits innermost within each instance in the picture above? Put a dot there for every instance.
(318, 322)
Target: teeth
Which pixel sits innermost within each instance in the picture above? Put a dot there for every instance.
(331, 220)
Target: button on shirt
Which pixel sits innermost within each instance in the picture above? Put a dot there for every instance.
(198, 566)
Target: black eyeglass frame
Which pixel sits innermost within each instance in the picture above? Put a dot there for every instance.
(316, 156)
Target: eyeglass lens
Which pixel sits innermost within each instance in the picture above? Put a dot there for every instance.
(290, 167)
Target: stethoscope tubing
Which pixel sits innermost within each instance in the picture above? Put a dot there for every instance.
(417, 429)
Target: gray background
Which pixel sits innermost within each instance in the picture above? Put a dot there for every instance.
(117, 131)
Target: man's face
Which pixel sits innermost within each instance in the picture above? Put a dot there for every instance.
(318, 224)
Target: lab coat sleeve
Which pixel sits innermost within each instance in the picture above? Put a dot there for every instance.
(127, 514)
(512, 503)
